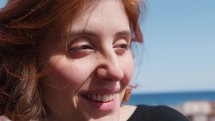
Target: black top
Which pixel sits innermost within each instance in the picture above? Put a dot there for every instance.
(156, 113)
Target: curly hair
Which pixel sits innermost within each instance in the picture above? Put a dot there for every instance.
(23, 27)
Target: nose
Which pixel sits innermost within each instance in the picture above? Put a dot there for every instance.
(109, 68)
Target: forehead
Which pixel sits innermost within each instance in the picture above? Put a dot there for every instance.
(101, 14)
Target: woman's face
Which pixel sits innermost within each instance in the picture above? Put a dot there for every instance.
(88, 79)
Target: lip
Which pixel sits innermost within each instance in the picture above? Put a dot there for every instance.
(101, 91)
(100, 105)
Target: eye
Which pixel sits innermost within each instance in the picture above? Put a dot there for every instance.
(84, 47)
(121, 46)
(80, 47)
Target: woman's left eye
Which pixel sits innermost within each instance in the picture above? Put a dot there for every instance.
(121, 47)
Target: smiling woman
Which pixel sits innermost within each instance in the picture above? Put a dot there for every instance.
(68, 60)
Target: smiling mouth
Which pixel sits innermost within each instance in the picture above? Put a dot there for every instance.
(100, 97)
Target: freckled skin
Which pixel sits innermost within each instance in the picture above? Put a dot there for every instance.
(97, 59)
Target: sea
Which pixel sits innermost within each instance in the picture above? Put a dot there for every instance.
(171, 98)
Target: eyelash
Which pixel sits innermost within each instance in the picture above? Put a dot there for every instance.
(123, 46)
(80, 48)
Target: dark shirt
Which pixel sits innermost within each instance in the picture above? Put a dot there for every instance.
(156, 113)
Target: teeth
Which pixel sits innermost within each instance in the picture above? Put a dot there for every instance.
(100, 98)
(105, 98)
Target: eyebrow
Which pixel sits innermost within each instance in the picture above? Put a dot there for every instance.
(94, 34)
(83, 32)
(124, 33)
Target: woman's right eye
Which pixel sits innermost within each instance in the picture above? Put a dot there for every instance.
(80, 48)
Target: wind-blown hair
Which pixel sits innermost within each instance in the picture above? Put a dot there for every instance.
(24, 25)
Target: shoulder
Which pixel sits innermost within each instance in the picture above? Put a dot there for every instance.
(156, 113)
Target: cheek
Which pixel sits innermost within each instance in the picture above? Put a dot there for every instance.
(128, 67)
(129, 70)
(67, 73)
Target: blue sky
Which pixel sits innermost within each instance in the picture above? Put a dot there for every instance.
(179, 46)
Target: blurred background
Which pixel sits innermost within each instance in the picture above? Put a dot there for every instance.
(179, 47)
(178, 63)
